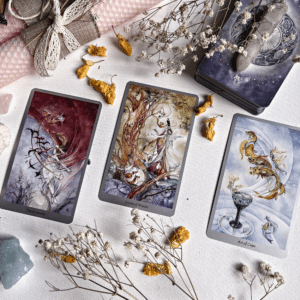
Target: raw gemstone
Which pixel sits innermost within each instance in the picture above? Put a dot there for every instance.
(14, 262)
(4, 137)
(5, 101)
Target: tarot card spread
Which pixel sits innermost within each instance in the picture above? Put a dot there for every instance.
(49, 159)
(258, 186)
(148, 151)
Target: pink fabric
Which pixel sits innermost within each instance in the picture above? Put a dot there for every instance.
(13, 28)
(16, 60)
(116, 12)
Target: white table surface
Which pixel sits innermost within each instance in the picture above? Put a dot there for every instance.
(212, 264)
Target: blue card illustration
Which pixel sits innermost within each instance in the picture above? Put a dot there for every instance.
(260, 183)
(259, 83)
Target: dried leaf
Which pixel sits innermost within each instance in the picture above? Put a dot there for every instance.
(106, 90)
(97, 51)
(208, 103)
(180, 236)
(127, 49)
(152, 269)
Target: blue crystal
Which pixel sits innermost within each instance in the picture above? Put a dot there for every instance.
(14, 262)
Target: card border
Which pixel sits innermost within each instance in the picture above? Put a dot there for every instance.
(130, 202)
(277, 252)
(35, 211)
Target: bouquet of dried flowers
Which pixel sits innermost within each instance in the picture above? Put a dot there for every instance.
(189, 26)
(161, 246)
(268, 280)
(89, 263)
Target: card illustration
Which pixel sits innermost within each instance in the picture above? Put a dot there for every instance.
(50, 157)
(150, 146)
(260, 183)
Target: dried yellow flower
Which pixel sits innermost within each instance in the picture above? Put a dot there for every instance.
(83, 70)
(152, 269)
(68, 259)
(127, 49)
(210, 132)
(180, 236)
(208, 103)
(97, 51)
(106, 90)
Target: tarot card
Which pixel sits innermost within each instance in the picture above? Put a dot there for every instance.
(258, 84)
(50, 156)
(258, 186)
(148, 150)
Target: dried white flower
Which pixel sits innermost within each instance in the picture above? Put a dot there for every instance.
(128, 245)
(136, 220)
(221, 48)
(140, 247)
(246, 15)
(237, 6)
(127, 28)
(184, 51)
(93, 244)
(271, 7)
(253, 36)
(107, 246)
(126, 264)
(80, 235)
(245, 270)
(161, 63)
(220, 2)
(153, 231)
(230, 297)
(86, 275)
(268, 268)
(100, 234)
(262, 265)
(157, 255)
(284, 50)
(46, 257)
(245, 53)
(47, 244)
(292, 36)
(195, 58)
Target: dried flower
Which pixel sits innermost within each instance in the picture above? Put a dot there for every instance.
(230, 297)
(97, 51)
(47, 244)
(128, 245)
(136, 220)
(107, 246)
(126, 47)
(126, 264)
(68, 259)
(179, 237)
(210, 132)
(208, 103)
(140, 247)
(152, 269)
(106, 90)
(135, 212)
(86, 275)
(245, 270)
(157, 255)
(133, 235)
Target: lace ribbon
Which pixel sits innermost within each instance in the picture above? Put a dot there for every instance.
(47, 52)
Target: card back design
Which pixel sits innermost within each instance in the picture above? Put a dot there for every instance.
(258, 186)
(50, 156)
(259, 83)
(147, 156)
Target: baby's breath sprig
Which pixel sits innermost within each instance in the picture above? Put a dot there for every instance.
(161, 246)
(85, 257)
(190, 25)
(268, 280)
